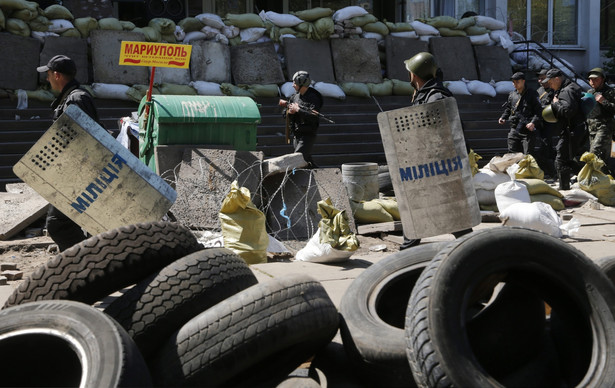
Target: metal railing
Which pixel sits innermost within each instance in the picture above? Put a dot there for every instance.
(548, 56)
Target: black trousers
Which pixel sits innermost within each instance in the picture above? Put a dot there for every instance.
(304, 144)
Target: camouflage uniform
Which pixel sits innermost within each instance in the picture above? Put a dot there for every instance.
(601, 123)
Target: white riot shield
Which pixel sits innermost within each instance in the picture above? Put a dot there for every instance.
(429, 167)
(89, 176)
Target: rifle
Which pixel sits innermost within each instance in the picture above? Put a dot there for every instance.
(307, 108)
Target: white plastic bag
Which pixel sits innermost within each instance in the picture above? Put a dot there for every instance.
(536, 215)
(509, 193)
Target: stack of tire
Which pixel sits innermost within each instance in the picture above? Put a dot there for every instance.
(502, 307)
(65, 325)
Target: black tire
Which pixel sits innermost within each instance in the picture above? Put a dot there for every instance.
(607, 264)
(65, 343)
(258, 336)
(439, 351)
(105, 263)
(373, 311)
(159, 305)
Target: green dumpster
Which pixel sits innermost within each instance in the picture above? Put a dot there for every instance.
(197, 120)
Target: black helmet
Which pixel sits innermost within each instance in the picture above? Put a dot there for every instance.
(422, 64)
(302, 78)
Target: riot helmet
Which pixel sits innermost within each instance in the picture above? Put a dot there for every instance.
(548, 115)
(302, 78)
(423, 65)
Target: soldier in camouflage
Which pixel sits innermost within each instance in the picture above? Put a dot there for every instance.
(600, 121)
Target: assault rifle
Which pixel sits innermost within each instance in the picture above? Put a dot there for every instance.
(309, 109)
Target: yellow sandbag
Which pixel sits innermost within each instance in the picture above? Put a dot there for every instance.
(39, 23)
(442, 21)
(402, 88)
(399, 27)
(190, 24)
(528, 168)
(110, 24)
(40, 95)
(85, 25)
(476, 30)
(377, 27)
(2, 20)
(24, 14)
(594, 181)
(168, 38)
(57, 11)
(538, 186)
(360, 21)
(334, 228)
(474, 158)
(245, 20)
(356, 89)
(385, 88)
(15, 5)
(316, 13)
(177, 90)
(323, 28)
(163, 25)
(464, 23)
(71, 33)
(151, 34)
(390, 205)
(271, 90)
(243, 226)
(137, 92)
(127, 25)
(445, 31)
(370, 212)
(17, 27)
(234, 90)
(556, 202)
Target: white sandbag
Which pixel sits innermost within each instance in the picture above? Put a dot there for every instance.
(280, 20)
(507, 44)
(372, 35)
(193, 36)
(489, 22)
(111, 91)
(230, 31)
(501, 163)
(262, 39)
(504, 87)
(487, 179)
(405, 34)
(481, 88)
(60, 25)
(221, 38)
(210, 32)
(348, 12)
(424, 29)
(511, 192)
(485, 197)
(287, 89)
(42, 35)
(205, 88)
(480, 40)
(426, 38)
(317, 252)
(251, 34)
(210, 19)
(285, 36)
(457, 87)
(536, 215)
(179, 33)
(330, 90)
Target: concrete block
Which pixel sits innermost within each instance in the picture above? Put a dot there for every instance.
(19, 57)
(19, 211)
(8, 267)
(106, 46)
(3, 281)
(256, 63)
(313, 56)
(455, 57)
(292, 211)
(75, 48)
(356, 60)
(205, 179)
(12, 275)
(169, 75)
(210, 61)
(397, 51)
(493, 63)
(284, 163)
(97, 9)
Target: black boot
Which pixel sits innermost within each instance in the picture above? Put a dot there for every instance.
(409, 243)
(564, 180)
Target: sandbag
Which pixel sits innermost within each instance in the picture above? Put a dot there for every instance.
(355, 89)
(194, 36)
(348, 12)
(287, 89)
(385, 88)
(24, 14)
(110, 24)
(323, 28)
(594, 181)
(39, 23)
(57, 11)
(464, 23)
(330, 90)
(480, 88)
(528, 168)
(71, 33)
(511, 192)
(405, 34)
(59, 25)
(111, 91)
(537, 216)
(480, 40)
(137, 92)
(538, 186)
(476, 30)
(190, 24)
(313, 14)
(424, 29)
(85, 25)
(17, 27)
(377, 27)
(246, 20)
(151, 34)
(504, 87)
(488, 180)
(40, 95)
(402, 88)
(489, 22)
(177, 90)
(444, 31)
(552, 200)
(473, 159)
(16, 5)
(370, 212)
(233, 90)
(251, 34)
(442, 21)
(2, 20)
(399, 27)
(243, 226)
(360, 21)
(485, 197)
(281, 20)
(458, 87)
(205, 88)
(163, 25)
(271, 90)
(501, 163)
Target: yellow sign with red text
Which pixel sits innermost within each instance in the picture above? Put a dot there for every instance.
(155, 54)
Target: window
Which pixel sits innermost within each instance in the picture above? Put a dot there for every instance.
(607, 23)
(551, 22)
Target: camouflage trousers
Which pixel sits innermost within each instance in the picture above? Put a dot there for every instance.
(600, 137)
